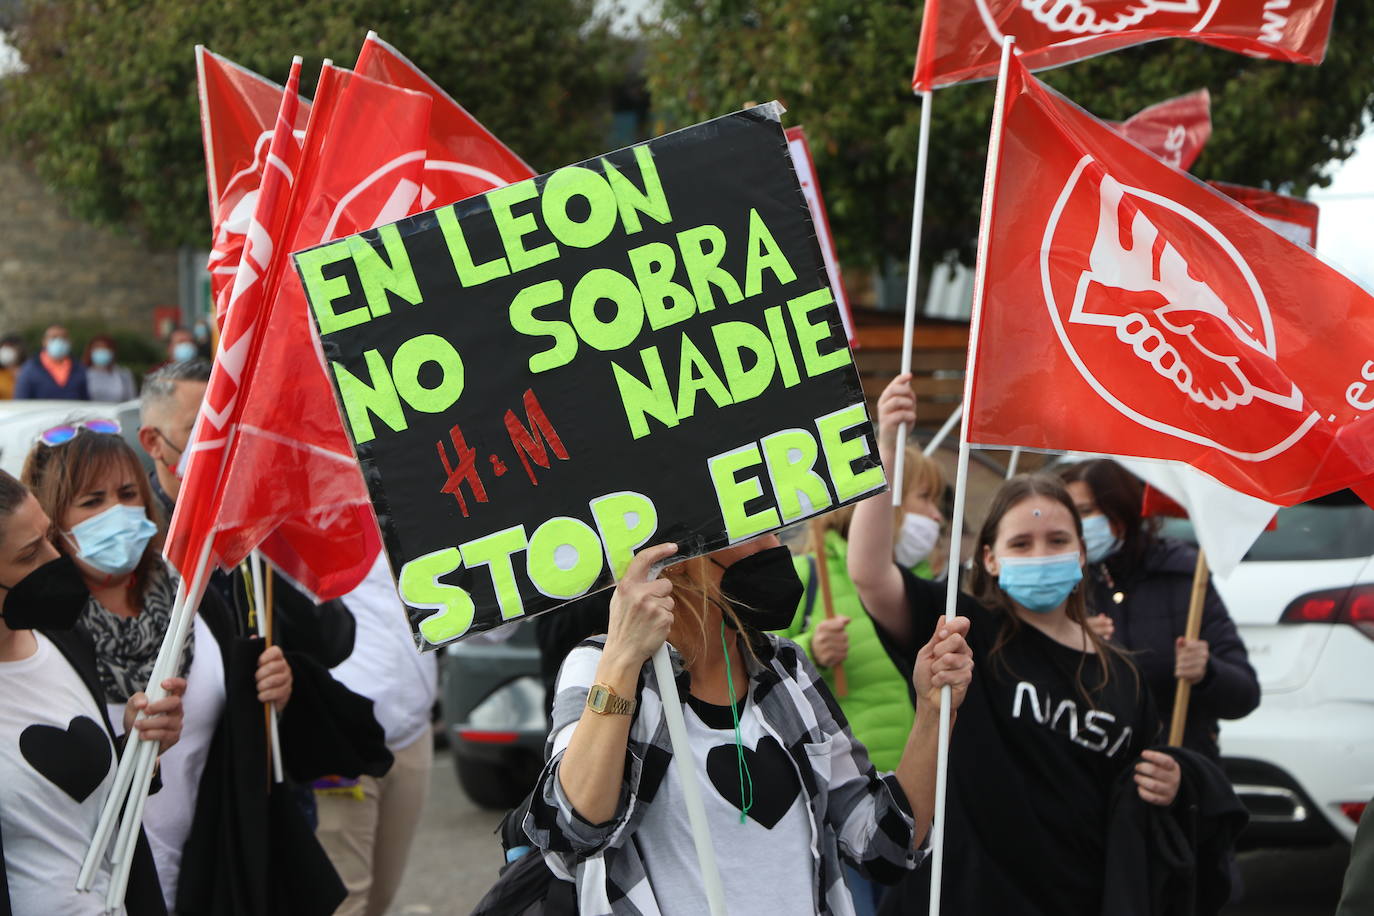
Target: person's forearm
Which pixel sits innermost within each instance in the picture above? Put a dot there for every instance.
(870, 565)
(916, 770)
(593, 767)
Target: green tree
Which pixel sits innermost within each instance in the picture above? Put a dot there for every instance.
(107, 109)
(843, 69)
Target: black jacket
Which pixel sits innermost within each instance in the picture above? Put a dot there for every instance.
(251, 851)
(1152, 613)
(144, 895)
(1184, 848)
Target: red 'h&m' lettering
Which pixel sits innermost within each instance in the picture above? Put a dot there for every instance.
(531, 444)
(466, 471)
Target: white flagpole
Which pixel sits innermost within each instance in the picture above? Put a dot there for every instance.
(690, 781)
(145, 752)
(944, 431)
(913, 273)
(260, 602)
(937, 830)
(1013, 461)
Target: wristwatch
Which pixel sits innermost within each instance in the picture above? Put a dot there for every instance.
(603, 701)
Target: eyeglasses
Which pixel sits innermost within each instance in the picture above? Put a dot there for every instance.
(67, 432)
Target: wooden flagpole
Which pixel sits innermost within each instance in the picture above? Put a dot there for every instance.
(260, 600)
(913, 273)
(937, 830)
(827, 597)
(1191, 630)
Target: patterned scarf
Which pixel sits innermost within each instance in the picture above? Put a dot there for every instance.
(126, 647)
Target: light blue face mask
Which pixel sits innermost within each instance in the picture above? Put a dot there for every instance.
(1098, 540)
(101, 356)
(58, 348)
(113, 541)
(1040, 584)
(183, 351)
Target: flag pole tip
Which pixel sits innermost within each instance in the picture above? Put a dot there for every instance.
(297, 60)
(372, 35)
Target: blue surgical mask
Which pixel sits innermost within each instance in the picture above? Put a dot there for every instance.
(113, 541)
(183, 351)
(101, 356)
(58, 348)
(1040, 584)
(1098, 540)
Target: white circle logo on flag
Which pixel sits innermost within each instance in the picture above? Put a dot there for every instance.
(1165, 320)
(1069, 19)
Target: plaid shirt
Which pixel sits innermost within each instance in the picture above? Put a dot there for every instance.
(854, 812)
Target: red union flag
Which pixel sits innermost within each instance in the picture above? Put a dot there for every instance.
(237, 111)
(463, 158)
(289, 481)
(962, 39)
(1291, 217)
(1175, 131)
(1129, 309)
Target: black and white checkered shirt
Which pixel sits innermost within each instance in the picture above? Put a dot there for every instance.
(855, 813)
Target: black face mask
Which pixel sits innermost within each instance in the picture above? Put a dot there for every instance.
(763, 589)
(51, 597)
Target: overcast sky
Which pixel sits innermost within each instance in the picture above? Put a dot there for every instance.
(1345, 230)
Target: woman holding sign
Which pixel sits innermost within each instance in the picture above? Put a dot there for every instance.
(788, 791)
(1051, 778)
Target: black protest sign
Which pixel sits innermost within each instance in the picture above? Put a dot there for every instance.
(542, 380)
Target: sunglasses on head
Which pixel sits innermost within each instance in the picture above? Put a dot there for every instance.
(67, 432)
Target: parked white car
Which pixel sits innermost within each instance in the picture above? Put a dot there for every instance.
(1303, 600)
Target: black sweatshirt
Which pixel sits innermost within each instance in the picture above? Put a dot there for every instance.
(1031, 769)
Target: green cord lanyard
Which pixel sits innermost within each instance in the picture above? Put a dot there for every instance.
(744, 775)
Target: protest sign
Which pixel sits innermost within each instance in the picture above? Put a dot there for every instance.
(545, 378)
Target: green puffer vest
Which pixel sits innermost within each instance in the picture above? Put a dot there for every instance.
(877, 705)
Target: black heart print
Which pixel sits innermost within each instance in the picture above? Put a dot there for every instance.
(74, 759)
(771, 771)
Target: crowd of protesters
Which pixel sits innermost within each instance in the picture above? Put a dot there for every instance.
(57, 372)
(1063, 797)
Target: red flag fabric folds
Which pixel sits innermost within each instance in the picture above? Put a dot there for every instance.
(1175, 130)
(463, 157)
(237, 110)
(961, 40)
(1291, 217)
(290, 482)
(1129, 309)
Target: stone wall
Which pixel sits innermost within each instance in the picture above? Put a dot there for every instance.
(55, 267)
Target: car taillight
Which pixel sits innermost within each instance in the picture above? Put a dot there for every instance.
(1354, 810)
(1353, 606)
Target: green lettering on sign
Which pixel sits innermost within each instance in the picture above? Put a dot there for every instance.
(625, 521)
(841, 453)
(702, 250)
(522, 319)
(514, 227)
(651, 398)
(576, 181)
(379, 277)
(733, 338)
(653, 266)
(564, 557)
(421, 588)
(361, 399)
(809, 334)
(405, 371)
(494, 551)
(733, 495)
(324, 293)
(597, 285)
(469, 274)
(791, 456)
(651, 201)
(764, 254)
(695, 374)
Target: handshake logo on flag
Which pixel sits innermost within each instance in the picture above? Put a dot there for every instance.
(1192, 345)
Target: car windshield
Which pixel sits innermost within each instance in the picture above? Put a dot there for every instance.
(1335, 527)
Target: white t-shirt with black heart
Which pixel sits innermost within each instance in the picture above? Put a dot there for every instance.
(765, 862)
(59, 764)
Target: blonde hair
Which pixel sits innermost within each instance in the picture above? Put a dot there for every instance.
(693, 589)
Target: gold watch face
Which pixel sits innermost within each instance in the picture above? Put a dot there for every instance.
(597, 697)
